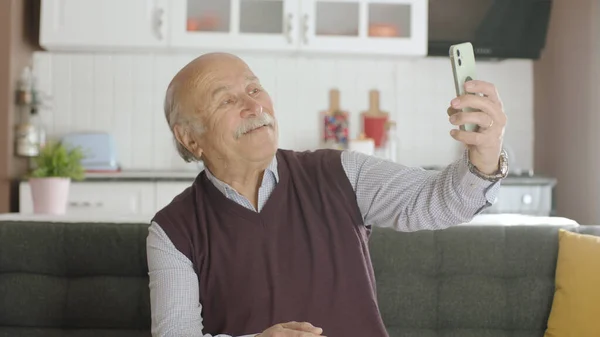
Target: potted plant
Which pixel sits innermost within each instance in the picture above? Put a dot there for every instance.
(55, 167)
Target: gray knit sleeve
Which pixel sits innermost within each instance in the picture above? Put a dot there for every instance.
(410, 199)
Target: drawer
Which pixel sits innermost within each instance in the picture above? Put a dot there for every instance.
(121, 198)
(526, 199)
(166, 191)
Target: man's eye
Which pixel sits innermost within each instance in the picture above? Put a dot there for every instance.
(227, 101)
(255, 91)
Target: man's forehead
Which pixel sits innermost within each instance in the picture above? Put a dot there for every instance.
(227, 83)
(233, 77)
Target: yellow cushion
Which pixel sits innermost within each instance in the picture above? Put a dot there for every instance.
(576, 305)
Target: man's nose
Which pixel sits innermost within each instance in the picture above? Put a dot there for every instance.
(251, 108)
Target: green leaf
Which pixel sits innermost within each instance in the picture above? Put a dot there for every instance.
(55, 160)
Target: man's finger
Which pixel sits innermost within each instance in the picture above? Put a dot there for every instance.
(480, 118)
(475, 102)
(295, 333)
(486, 88)
(451, 111)
(302, 326)
(467, 137)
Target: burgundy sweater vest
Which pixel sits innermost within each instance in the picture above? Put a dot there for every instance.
(304, 257)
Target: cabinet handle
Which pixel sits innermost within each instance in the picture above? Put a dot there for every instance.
(305, 29)
(159, 23)
(288, 27)
(527, 199)
(85, 204)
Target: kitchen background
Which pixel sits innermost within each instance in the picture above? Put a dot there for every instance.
(122, 92)
(123, 95)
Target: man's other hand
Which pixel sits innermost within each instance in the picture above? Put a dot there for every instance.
(292, 329)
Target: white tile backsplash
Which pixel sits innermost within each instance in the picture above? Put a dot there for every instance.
(123, 94)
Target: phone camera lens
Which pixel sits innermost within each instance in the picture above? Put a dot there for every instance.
(458, 53)
(459, 62)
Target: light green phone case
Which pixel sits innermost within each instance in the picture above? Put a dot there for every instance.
(462, 58)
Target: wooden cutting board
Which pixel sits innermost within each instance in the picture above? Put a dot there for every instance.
(335, 121)
(374, 110)
(334, 103)
(374, 120)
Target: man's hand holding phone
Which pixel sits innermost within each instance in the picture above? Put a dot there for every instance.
(485, 143)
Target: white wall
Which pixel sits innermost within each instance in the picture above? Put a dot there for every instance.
(123, 94)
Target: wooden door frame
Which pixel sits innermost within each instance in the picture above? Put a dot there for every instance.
(19, 32)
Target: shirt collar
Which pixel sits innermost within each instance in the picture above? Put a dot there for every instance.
(226, 189)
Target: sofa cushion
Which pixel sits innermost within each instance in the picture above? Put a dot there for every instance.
(467, 280)
(73, 275)
(576, 303)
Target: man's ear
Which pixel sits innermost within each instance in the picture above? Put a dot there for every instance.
(185, 138)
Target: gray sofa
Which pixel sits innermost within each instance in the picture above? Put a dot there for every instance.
(90, 279)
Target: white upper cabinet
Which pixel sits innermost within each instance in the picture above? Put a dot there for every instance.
(257, 25)
(390, 27)
(393, 27)
(103, 24)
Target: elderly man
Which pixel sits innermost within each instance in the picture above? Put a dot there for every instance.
(273, 242)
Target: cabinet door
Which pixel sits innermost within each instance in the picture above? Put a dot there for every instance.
(103, 24)
(392, 27)
(101, 198)
(167, 190)
(233, 25)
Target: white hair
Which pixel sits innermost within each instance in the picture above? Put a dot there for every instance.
(176, 116)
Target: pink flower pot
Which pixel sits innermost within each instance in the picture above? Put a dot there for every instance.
(50, 195)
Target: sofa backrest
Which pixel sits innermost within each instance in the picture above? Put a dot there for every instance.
(467, 281)
(92, 279)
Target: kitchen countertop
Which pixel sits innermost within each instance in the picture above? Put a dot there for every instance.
(143, 176)
(140, 176)
(189, 176)
(528, 180)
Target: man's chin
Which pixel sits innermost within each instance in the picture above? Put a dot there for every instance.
(264, 151)
(263, 138)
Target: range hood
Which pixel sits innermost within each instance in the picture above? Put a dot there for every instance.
(498, 29)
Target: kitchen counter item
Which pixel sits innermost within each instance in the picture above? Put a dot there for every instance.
(362, 144)
(374, 120)
(391, 141)
(98, 148)
(336, 123)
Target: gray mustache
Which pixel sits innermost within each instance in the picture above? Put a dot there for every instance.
(264, 119)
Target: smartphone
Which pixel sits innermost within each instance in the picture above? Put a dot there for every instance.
(462, 58)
